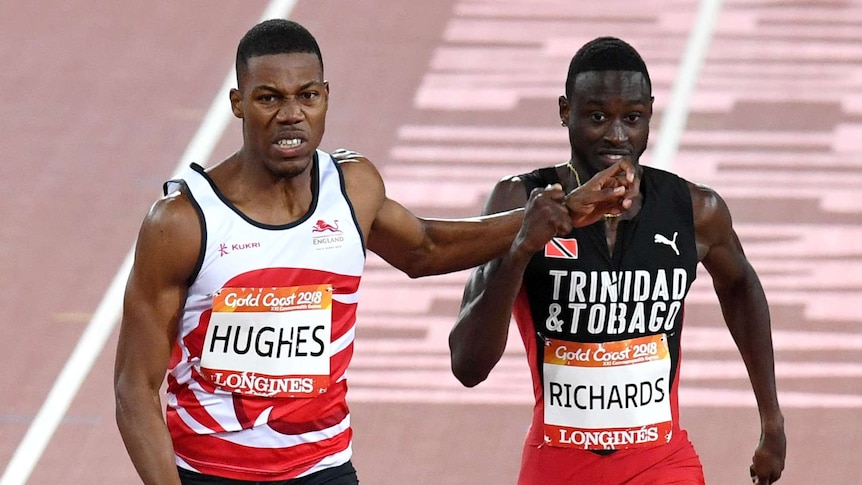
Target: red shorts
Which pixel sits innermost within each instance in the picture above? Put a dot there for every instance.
(675, 463)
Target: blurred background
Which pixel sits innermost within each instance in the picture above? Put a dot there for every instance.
(100, 102)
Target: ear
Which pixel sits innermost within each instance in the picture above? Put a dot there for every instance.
(564, 110)
(236, 103)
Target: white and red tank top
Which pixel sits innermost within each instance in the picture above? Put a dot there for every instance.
(256, 382)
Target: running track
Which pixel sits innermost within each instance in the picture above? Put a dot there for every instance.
(102, 99)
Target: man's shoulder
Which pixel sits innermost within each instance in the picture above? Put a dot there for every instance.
(362, 182)
(539, 177)
(655, 172)
(173, 217)
(673, 181)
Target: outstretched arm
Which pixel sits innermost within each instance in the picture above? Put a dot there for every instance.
(746, 313)
(424, 246)
(165, 255)
(418, 246)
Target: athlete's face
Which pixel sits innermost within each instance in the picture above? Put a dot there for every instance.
(282, 100)
(608, 117)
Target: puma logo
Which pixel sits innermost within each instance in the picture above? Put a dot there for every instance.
(659, 239)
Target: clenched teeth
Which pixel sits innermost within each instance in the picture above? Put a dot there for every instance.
(289, 143)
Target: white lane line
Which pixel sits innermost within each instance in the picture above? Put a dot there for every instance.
(107, 314)
(675, 116)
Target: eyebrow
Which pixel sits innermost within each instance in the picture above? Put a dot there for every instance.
(629, 102)
(269, 87)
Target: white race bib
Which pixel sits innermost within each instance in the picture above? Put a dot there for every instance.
(607, 396)
(272, 342)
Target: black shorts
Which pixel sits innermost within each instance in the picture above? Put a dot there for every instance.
(341, 475)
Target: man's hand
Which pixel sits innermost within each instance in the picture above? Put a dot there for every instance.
(546, 216)
(768, 460)
(610, 192)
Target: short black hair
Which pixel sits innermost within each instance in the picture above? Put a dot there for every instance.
(275, 36)
(605, 54)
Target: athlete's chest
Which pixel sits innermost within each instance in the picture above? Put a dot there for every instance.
(579, 290)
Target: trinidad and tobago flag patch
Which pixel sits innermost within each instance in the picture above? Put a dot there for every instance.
(562, 248)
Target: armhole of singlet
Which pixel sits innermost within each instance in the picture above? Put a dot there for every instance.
(203, 227)
(343, 182)
(180, 185)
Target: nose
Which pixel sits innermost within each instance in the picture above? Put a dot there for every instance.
(290, 111)
(616, 133)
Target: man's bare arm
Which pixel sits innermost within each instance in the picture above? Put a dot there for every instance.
(746, 313)
(424, 246)
(165, 255)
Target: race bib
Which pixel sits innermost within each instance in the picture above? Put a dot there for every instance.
(272, 342)
(607, 396)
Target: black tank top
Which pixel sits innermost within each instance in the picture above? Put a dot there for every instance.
(577, 291)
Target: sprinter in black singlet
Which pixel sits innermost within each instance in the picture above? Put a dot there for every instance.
(600, 310)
